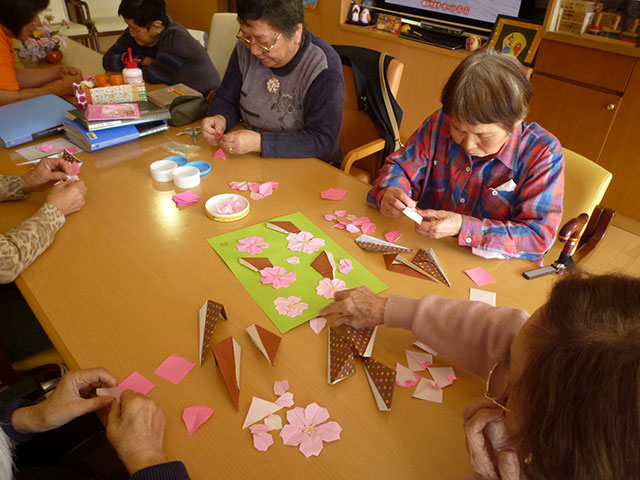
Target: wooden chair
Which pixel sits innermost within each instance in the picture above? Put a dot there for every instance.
(222, 39)
(76, 31)
(359, 137)
(101, 16)
(585, 184)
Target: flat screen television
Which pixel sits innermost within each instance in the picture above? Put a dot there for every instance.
(469, 15)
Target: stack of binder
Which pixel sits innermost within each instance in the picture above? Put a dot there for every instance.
(98, 134)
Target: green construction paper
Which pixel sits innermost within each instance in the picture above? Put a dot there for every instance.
(307, 278)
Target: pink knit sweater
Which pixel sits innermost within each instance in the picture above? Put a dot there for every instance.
(473, 335)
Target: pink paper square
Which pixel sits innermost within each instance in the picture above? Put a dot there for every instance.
(480, 276)
(174, 368)
(194, 417)
(392, 236)
(368, 227)
(333, 194)
(137, 383)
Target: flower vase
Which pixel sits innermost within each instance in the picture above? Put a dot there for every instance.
(54, 56)
(33, 61)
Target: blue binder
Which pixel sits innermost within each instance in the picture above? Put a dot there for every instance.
(32, 119)
(97, 140)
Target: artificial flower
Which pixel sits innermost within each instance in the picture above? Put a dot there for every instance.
(304, 241)
(306, 429)
(328, 287)
(291, 307)
(276, 276)
(252, 245)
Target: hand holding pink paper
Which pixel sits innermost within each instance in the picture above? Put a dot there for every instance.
(137, 383)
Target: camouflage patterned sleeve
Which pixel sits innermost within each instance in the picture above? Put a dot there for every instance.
(21, 245)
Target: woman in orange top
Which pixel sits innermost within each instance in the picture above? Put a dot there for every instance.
(18, 19)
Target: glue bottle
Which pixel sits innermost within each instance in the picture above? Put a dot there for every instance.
(131, 72)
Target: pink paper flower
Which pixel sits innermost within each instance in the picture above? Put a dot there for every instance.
(328, 287)
(304, 241)
(345, 266)
(278, 277)
(252, 245)
(291, 307)
(307, 430)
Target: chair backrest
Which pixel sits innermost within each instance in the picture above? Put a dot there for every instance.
(222, 39)
(357, 126)
(585, 183)
(103, 8)
(200, 36)
(57, 8)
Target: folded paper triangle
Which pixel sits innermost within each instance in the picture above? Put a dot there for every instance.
(361, 340)
(228, 354)
(405, 377)
(426, 391)
(373, 244)
(395, 263)
(382, 380)
(209, 314)
(255, 263)
(427, 261)
(341, 362)
(266, 341)
(325, 265)
(418, 361)
(258, 410)
(283, 227)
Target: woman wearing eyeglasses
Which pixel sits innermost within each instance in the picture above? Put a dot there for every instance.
(563, 385)
(283, 83)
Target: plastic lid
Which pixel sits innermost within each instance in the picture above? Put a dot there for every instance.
(204, 167)
(129, 61)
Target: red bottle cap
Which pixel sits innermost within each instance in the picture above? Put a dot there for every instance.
(130, 62)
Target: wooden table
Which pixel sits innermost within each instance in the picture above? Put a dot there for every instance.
(122, 284)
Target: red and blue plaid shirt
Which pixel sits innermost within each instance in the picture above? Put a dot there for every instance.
(511, 203)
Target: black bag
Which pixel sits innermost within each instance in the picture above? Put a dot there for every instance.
(187, 109)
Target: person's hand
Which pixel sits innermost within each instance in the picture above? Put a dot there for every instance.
(68, 196)
(213, 129)
(73, 397)
(68, 70)
(146, 61)
(135, 428)
(439, 223)
(359, 307)
(394, 201)
(488, 441)
(48, 172)
(242, 141)
(64, 86)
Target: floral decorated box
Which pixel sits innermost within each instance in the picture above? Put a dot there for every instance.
(291, 268)
(110, 95)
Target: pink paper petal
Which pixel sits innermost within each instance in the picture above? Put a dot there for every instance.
(286, 400)
(174, 368)
(256, 196)
(345, 266)
(259, 428)
(339, 226)
(75, 168)
(254, 187)
(280, 387)
(392, 236)
(137, 383)
(219, 155)
(368, 228)
(273, 184)
(194, 417)
(292, 434)
(360, 220)
(351, 228)
(317, 324)
(293, 260)
(329, 218)
(340, 213)
(329, 431)
(333, 194)
(351, 218)
(311, 446)
(262, 441)
(46, 148)
(480, 276)
(265, 189)
(344, 222)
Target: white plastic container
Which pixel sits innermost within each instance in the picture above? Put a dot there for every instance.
(186, 177)
(161, 171)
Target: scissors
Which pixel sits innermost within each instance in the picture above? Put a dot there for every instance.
(194, 132)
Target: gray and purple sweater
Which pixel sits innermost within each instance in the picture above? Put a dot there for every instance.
(299, 118)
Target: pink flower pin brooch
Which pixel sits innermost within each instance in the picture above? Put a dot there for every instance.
(273, 85)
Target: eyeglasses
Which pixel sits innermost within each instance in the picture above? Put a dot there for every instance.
(248, 42)
(498, 385)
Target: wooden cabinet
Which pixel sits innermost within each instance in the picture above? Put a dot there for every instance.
(589, 98)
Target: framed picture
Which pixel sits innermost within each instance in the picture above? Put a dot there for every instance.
(517, 38)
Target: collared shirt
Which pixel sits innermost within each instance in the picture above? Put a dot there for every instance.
(511, 203)
(8, 80)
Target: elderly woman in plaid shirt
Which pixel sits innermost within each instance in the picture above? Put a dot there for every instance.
(476, 170)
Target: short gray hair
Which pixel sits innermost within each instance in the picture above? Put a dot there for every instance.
(488, 87)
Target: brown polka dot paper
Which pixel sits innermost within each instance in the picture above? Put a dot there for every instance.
(210, 312)
(381, 380)
(341, 360)
(427, 261)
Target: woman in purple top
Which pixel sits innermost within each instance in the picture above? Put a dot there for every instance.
(283, 83)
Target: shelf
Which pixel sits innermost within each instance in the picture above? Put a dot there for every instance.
(598, 43)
